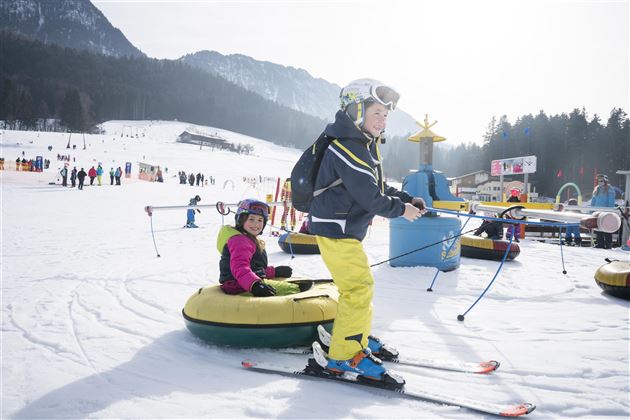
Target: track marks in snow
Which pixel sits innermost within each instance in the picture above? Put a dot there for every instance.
(127, 300)
(75, 333)
(100, 319)
(53, 347)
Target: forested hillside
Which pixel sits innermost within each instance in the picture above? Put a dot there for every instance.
(569, 147)
(47, 81)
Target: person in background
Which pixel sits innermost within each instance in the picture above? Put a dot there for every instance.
(243, 265)
(111, 176)
(287, 206)
(572, 236)
(514, 229)
(492, 228)
(603, 196)
(190, 213)
(99, 175)
(118, 175)
(92, 174)
(81, 177)
(64, 176)
(73, 177)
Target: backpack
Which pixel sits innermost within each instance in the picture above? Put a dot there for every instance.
(304, 174)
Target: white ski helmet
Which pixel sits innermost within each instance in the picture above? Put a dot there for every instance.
(361, 92)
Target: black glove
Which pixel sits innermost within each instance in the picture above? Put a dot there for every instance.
(260, 289)
(284, 271)
(198, 211)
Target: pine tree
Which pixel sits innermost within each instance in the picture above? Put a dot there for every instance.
(72, 111)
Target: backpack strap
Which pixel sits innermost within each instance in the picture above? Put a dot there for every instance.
(336, 182)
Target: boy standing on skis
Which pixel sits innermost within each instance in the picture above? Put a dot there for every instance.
(190, 213)
(351, 191)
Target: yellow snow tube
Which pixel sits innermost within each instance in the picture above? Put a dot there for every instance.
(298, 243)
(488, 249)
(614, 278)
(276, 321)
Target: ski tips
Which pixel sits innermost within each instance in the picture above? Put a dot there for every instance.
(489, 366)
(518, 410)
(248, 363)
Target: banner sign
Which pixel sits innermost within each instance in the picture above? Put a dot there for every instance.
(514, 166)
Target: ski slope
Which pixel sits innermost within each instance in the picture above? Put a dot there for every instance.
(92, 325)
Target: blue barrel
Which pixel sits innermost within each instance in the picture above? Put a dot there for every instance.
(405, 236)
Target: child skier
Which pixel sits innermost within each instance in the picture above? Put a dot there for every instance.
(340, 215)
(190, 213)
(243, 263)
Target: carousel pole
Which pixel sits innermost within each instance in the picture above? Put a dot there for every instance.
(602, 221)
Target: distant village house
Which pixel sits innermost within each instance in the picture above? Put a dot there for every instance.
(214, 142)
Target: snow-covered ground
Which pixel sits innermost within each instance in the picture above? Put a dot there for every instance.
(92, 325)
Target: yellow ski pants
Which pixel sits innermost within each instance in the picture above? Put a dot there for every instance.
(351, 272)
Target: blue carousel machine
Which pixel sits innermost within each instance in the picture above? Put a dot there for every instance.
(405, 236)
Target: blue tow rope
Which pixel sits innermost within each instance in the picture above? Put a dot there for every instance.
(507, 250)
(461, 317)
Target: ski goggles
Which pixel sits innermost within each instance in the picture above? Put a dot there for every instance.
(386, 96)
(255, 207)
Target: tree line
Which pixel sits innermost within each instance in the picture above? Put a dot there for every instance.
(571, 147)
(39, 81)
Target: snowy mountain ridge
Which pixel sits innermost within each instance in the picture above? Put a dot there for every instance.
(289, 86)
(292, 87)
(76, 24)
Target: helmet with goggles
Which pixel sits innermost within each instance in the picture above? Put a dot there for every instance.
(251, 206)
(359, 93)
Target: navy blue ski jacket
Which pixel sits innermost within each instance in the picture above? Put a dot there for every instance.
(346, 210)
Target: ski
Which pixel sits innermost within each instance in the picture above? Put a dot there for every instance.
(440, 364)
(315, 372)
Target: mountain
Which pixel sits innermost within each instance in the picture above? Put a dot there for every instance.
(39, 80)
(76, 24)
(291, 87)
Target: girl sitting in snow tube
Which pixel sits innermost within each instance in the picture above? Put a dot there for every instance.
(243, 263)
(233, 312)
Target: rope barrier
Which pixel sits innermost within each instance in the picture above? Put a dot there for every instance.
(153, 235)
(461, 317)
